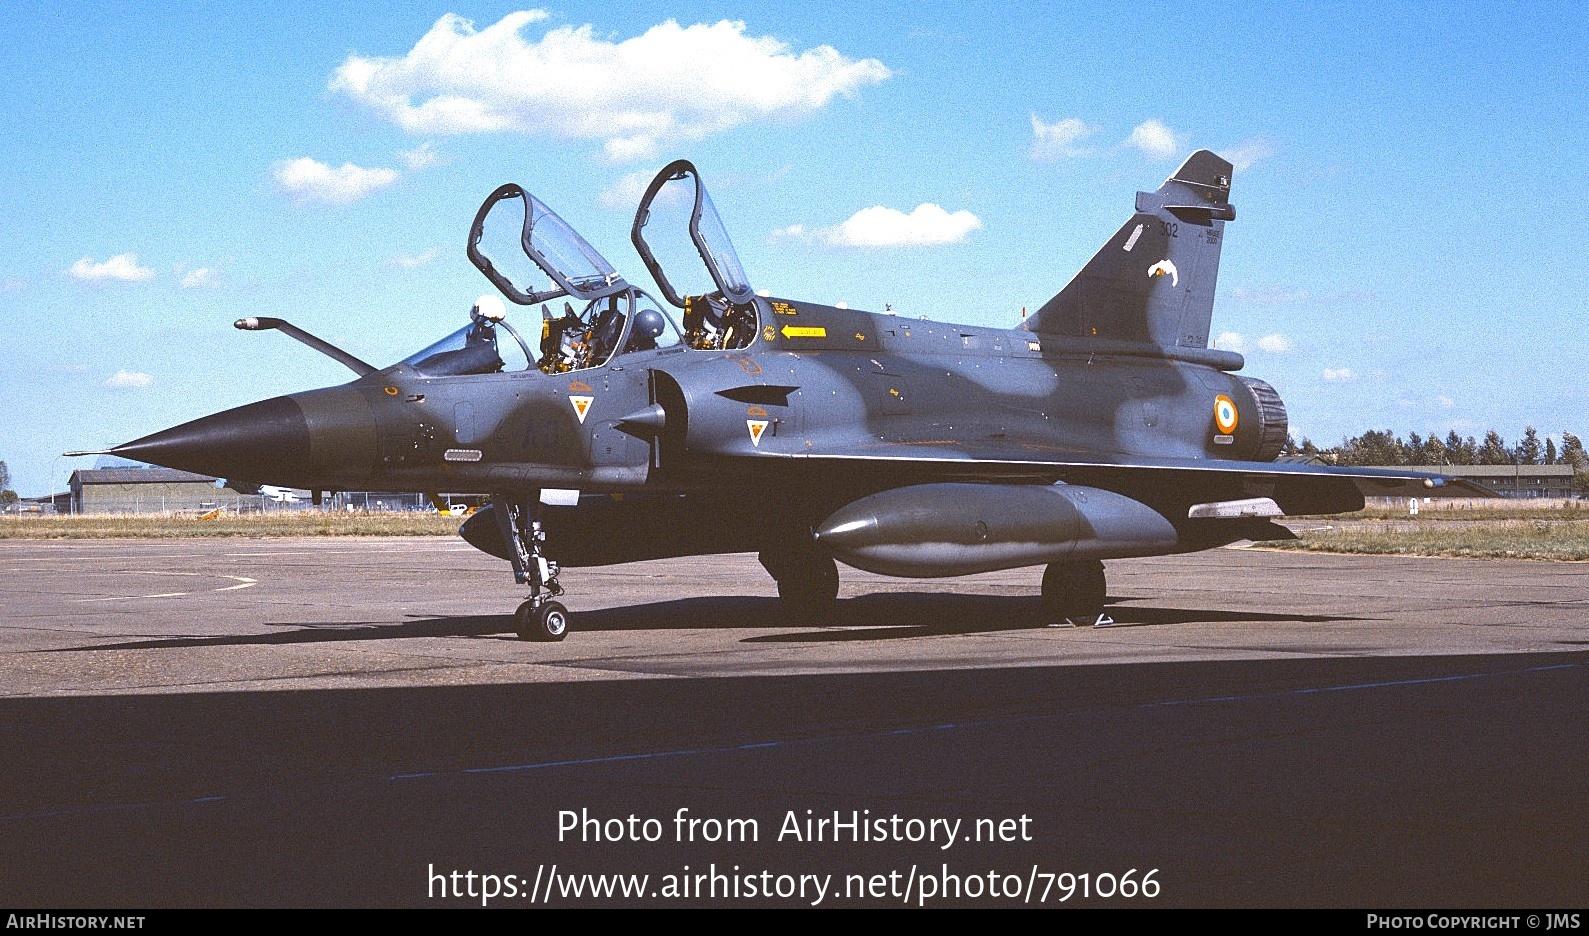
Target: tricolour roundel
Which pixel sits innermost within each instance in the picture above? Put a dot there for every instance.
(1224, 414)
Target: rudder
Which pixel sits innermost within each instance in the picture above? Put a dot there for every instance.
(1153, 281)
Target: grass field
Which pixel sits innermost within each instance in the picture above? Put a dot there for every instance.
(1470, 510)
(296, 523)
(1499, 531)
(1479, 539)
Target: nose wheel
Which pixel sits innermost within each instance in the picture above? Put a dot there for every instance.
(540, 617)
(545, 622)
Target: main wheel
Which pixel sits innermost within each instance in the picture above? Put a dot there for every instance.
(1074, 590)
(549, 622)
(810, 589)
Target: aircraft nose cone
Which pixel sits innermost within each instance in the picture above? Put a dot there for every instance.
(264, 442)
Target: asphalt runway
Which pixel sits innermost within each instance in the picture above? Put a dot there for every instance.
(350, 722)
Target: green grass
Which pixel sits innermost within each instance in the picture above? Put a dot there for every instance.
(1475, 510)
(298, 523)
(1478, 539)
(1485, 532)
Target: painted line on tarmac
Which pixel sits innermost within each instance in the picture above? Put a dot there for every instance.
(242, 580)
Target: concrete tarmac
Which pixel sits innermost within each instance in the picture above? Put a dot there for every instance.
(348, 722)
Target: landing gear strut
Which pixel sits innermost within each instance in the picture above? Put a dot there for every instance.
(808, 582)
(1074, 593)
(538, 618)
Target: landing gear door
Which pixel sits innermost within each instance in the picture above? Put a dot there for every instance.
(532, 255)
(677, 203)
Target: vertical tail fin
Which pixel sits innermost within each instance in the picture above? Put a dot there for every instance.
(1154, 280)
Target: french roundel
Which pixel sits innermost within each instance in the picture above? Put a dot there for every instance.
(1224, 414)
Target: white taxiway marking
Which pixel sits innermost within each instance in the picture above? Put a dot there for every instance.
(242, 581)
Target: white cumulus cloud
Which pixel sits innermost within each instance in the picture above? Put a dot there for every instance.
(308, 180)
(1275, 344)
(1155, 139)
(128, 380)
(928, 225)
(628, 190)
(199, 278)
(422, 156)
(414, 261)
(1247, 152)
(1339, 374)
(1057, 140)
(670, 83)
(123, 267)
(1230, 341)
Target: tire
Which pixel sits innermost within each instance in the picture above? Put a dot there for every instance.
(1074, 590)
(547, 624)
(810, 590)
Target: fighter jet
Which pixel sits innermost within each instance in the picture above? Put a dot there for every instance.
(721, 420)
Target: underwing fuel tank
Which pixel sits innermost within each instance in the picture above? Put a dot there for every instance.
(934, 530)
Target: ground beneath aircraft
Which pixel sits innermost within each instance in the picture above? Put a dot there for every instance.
(330, 722)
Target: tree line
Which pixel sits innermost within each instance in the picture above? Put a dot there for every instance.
(1384, 448)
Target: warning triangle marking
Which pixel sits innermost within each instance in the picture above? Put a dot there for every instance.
(581, 406)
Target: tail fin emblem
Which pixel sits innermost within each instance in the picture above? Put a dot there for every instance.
(1163, 267)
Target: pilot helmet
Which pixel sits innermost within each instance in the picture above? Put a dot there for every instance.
(649, 323)
(488, 308)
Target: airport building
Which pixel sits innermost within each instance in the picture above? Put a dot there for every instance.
(166, 490)
(1521, 481)
(150, 491)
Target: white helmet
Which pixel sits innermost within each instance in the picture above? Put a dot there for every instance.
(490, 308)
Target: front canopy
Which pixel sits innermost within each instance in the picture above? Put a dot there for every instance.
(519, 243)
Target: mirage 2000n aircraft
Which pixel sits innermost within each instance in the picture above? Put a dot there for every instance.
(617, 427)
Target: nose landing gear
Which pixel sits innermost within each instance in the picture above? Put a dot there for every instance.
(539, 617)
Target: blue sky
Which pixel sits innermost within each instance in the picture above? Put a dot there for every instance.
(1408, 186)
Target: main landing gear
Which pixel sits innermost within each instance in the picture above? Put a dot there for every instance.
(808, 582)
(1074, 594)
(540, 617)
